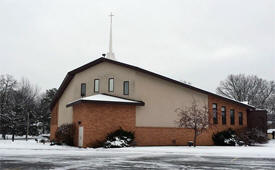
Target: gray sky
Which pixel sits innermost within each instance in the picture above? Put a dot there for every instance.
(197, 41)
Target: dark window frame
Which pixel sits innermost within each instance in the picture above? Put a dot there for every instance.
(232, 121)
(240, 118)
(83, 89)
(124, 92)
(223, 115)
(95, 85)
(109, 85)
(215, 113)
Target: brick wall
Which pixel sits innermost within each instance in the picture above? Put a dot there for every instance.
(179, 136)
(54, 120)
(151, 136)
(258, 119)
(100, 119)
(229, 105)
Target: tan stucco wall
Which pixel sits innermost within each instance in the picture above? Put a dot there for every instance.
(65, 115)
(102, 71)
(161, 97)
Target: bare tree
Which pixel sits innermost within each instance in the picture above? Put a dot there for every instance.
(254, 90)
(194, 117)
(22, 108)
(25, 98)
(44, 112)
(7, 87)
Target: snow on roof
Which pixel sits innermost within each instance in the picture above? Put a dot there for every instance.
(106, 98)
(260, 109)
(270, 130)
(244, 102)
(233, 100)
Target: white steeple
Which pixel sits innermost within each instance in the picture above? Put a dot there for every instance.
(110, 54)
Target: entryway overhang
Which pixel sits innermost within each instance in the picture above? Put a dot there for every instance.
(106, 98)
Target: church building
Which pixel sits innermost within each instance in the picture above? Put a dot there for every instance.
(105, 94)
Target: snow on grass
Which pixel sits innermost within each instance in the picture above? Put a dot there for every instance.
(270, 130)
(31, 147)
(22, 147)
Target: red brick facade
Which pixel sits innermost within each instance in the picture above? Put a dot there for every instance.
(257, 119)
(99, 119)
(150, 136)
(54, 121)
(179, 136)
(229, 105)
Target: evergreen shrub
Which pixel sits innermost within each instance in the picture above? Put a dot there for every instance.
(65, 134)
(240, 137)
(225, 138)
(119, 138)
(252, 136)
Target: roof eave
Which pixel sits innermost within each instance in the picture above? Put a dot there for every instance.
(105, 102)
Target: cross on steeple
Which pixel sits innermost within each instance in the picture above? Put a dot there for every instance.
(110, 54)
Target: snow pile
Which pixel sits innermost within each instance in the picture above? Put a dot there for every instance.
(119, 138)
(117, 143)
(43, 138)
(270, 130)
(231, 141)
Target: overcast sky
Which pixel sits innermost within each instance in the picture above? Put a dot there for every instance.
(196, 41)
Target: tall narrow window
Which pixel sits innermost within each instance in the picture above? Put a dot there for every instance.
(126, 87)
(83, 89)
(215, 113)
(240, 118)
(232, 117)
(96, 85)
(111, 85)
(223, 115)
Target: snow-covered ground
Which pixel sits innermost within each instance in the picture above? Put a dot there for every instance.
(31, 154)
(270, 130)
(22, 147)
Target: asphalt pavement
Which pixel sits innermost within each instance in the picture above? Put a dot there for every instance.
(156, 162)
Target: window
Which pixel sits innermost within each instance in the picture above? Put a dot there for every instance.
(126, 87)
(111, 85)
(215, 113)
(223, 115)
(232, 117)
(240, 118)
(83, 89)
(96, 85)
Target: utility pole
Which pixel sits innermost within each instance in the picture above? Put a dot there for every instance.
(28, 125)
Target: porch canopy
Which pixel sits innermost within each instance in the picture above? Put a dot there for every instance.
(106, 98)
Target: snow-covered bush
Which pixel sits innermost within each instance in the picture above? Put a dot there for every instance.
(231, 141)
(225, 138)
(240, 137)
(119, 138)
(252, 136)
(64, 134)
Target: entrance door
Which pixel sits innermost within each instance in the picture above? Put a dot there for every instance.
(80, 136)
